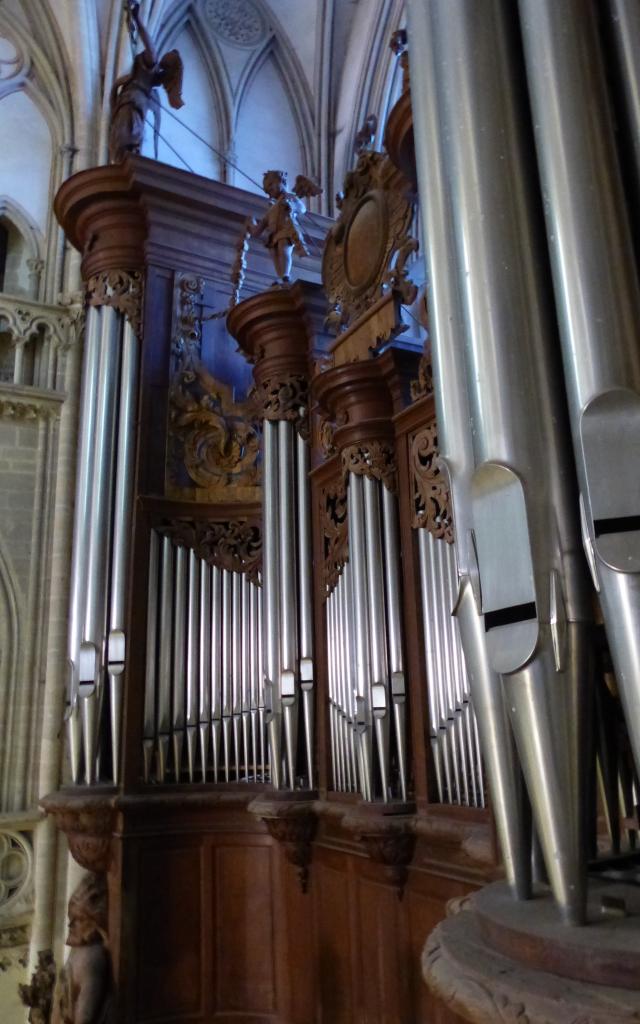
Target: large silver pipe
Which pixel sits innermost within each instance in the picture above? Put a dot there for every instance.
(455, 442)
(598, 300)
(178, 675)
(217, 641)
(204, 668)
(227, 670)
(151, 655)
(81, 526)
(271, 599)
(360, 612)
(93, 647)
(625, 27)
(377, 627)
(431, 668)
(288, 593)
(163, 718)
(254, 679)
(532, 587)
(394, 619)
(245, 600)
(305, 599)
(236, 669)
(193, 660)
(116, 641)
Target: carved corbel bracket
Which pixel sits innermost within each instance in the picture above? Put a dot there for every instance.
(388, 839)
(88, 824)
(292, 823)
(431, 499)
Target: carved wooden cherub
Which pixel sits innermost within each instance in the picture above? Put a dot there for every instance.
(84, 993)
(132, 94)
(283, 232)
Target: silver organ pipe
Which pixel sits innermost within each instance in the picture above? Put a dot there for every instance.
(203, 680)
(450, 709)
(97, 643)
(287, 606)
(363, 616)
(456, 454)
(522, 544)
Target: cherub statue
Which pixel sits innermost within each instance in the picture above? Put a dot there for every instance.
(84, 993)
(284, 234)
(132, 94)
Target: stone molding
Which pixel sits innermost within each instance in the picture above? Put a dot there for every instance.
(20, 402)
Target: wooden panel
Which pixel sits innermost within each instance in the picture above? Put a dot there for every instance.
(169, 932)
(382, 957)
(334, 945)
(244, 929)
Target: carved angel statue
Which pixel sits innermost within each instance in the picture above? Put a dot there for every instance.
(84, 993)
(283, 232)
(132, 94)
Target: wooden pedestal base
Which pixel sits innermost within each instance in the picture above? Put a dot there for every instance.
(496, 960)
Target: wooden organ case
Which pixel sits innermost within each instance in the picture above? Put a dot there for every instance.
(275, 762)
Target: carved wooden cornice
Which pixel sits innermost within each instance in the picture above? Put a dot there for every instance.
(232, 544)
(430, 493)
(273, 332)
(292, 823)
(121, 289)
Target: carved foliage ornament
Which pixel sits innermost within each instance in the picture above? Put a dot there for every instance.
(375, 459)
(120, 289)
(335, 534)
(431, 502)
(367, 249)
(284, 398)
(213, 437)
(235, 545)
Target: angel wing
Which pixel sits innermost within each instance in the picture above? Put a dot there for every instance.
(306, 187)
(173, 69)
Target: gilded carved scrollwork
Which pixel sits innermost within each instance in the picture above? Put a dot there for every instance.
(120, 289)
(368, 248)
(215, 439)
(424, 384)
(335, 533)
(212, 437)
(431, 502)
(235, 544)
(374, 459)
(285, 397)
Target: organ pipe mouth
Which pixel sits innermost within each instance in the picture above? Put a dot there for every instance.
(509, 616)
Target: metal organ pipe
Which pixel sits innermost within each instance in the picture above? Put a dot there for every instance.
(456, 452)
(271, 598)
(97, 647)
(523, 544)
(599, 307)
(202, 680)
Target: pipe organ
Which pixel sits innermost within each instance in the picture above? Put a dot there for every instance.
(204, 708)
(332, 631)
(97, 635)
